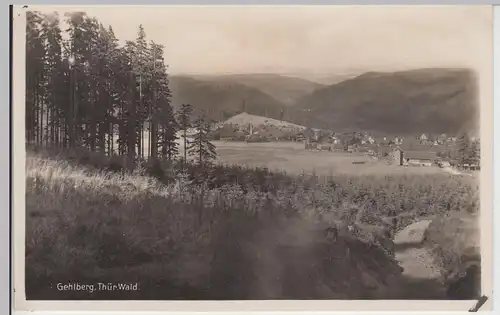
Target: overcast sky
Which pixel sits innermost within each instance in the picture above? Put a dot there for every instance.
(305, 39)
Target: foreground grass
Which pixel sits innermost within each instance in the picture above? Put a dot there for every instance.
(223, 240)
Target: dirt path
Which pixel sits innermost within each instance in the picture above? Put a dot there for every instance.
(420, 279)
(420, 276)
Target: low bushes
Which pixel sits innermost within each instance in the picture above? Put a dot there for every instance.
(228, 237)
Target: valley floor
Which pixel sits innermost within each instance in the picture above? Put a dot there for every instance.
(293, 158)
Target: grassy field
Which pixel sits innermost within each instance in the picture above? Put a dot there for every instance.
(293, 158)
(179, 240)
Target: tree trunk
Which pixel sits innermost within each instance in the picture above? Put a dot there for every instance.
(132, 134)
(47, 124)
(92, 134)
(153, 146)
(154, 140)
(38, 111)
(185, 147)
(71, 117)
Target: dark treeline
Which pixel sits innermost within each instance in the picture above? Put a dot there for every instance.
(86, 90)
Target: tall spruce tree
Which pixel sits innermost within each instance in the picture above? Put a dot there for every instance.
(115, 86)
(184, 118)
(91, 81)
(130, 117)
(76, 53)
(35, 72)
(142, 71)
(54, 79)
(163, 122)
(105, 52)
(201, 148)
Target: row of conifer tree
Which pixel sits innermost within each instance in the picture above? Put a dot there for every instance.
(84, 89)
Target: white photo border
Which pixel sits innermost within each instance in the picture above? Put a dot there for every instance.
(17, 145)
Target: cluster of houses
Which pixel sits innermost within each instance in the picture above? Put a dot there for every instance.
(423, 150)
(412, 151)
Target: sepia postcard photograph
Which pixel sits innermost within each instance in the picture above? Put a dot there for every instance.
(252, 157)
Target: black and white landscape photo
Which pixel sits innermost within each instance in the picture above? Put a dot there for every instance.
(255, 152)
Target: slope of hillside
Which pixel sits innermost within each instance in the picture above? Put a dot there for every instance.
(221, 100)
(245, 119)
(423, 100)
(284, 89)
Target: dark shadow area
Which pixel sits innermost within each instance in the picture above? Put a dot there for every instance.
(468, 287)
(408, 288)
(405, 246)
(257, 260)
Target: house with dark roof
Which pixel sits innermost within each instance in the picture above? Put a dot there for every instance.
(397, 156)
(443, 163)
(421, 158)
(392, 154)
(416, 146)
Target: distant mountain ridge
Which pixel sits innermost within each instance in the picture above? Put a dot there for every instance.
(423, 100)
(222, 98)
(285, 89)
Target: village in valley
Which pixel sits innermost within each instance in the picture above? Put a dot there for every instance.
(453, 153)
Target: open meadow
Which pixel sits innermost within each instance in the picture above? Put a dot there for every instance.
(291, 157)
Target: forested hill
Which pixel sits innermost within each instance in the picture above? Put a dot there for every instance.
(285, 89)
(222, 99)
(406, 102)
(423, 100)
